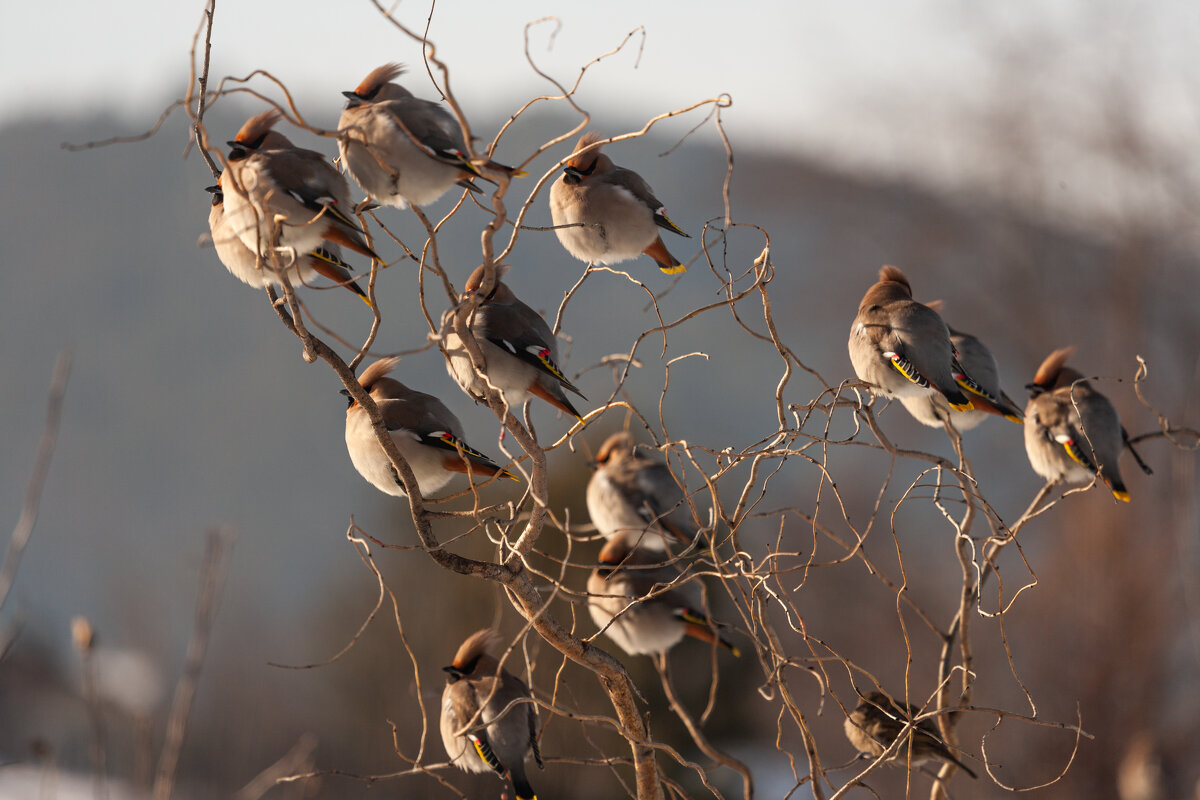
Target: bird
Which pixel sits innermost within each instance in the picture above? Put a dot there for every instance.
(903, 347)
(401, 149)
(488, 720)
(244, 265)
(518, 347)
(631, 494)
(878, 720)
(283, 201)
(1072, 431)
(428, 436)
(972, 359)
(613, 213)
(625, 605)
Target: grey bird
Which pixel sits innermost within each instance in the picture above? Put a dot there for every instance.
(426, 433)
(244, 265)
(633, 495)
(401, 149)
(286, 201)
(902, 347)
(489, 721)
(1072, 432)
(518, 347)
(977, 375)
(878, 720)
(613, 211)
(632, 600)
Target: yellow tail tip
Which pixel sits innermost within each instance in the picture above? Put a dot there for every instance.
(676, 270)
(736, 652)
(367, 300)
(520, 173)
(506, 474)
(1014, 418)
(1122, 496)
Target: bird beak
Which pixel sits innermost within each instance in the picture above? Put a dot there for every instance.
(454, 672)
(572, 176)
(1035, 389)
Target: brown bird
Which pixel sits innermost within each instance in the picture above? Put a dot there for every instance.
(489, 721)
(1072, 432)
(901, 346)
(629, 600)
(878, 720)
(283, 199)
(401, 149)
(636, 496)
(427, 434)
(518, 347)
(244, 265)
(977, 375)
(617, 212)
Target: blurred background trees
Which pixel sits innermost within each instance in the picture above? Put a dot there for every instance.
(1049, 206)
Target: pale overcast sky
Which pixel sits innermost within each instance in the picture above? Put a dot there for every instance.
(881, 84)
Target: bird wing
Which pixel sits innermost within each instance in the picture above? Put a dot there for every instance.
(520, 331)
(636, 185)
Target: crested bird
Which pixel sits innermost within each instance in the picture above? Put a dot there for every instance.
(284, 201)
(613, 213)
(401, 149)
(634, 599)
(488, 722)
(426, 433)
(1072, 432)
(517, 345)
(244, 265)
(631, 494)
(977, 375)
(903, 347)
(878, 720)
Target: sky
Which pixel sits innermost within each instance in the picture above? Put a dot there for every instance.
(874, 84)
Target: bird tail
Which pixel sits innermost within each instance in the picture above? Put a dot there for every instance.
(666, 262)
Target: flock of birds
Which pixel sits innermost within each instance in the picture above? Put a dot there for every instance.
(284, 212)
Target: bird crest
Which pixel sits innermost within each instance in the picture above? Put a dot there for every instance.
(583, 163)
(1048, 373)
(377, 77)
(893, 274)
(477, 277)
(377, 370)
(476, 645)
(614, 444)
(257, 127)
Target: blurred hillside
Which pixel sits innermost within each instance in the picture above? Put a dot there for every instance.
(189, 406)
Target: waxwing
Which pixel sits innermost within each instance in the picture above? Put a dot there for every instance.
(615, 214)
(284, 198)
(244, 265)
(401, 149)
(632, 599)
(878, 720)
(489, 721)
(518, 347)
(902, 347)
(1072, 432)
(633, 495)
(982, 386)
(426, 433)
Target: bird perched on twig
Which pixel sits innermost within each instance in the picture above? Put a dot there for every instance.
(401, 149)
(426, 433)
(971, 359)
(284, 201)
(632, 599)
(902, 347)
(488, 721)
(613, 213)
(878, 720)
(244, 265)
(633, 495)
(1072, 432)
(517, 345)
